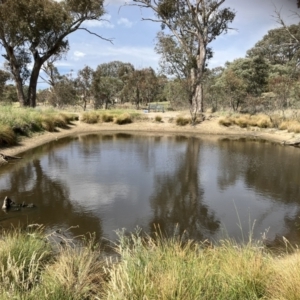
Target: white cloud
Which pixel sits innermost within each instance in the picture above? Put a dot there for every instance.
(104, 23)
(79, 54)
(125, 22)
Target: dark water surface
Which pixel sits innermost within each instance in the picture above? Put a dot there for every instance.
(202, 185)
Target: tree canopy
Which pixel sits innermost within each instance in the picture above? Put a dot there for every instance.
(277, 46)
(194, 24)
(35, 30)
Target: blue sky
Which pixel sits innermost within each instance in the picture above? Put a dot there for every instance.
(134, 39)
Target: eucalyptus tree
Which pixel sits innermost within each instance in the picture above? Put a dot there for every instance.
(278, 47)
(244, 78)
(84, 85)
(142, 86)
(4, 76)
(33, 31)
(199, 20)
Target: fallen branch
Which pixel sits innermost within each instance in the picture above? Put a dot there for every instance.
(7, 157)
(292, 143)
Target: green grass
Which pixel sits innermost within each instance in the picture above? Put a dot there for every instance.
(15, 121)
(32, 267)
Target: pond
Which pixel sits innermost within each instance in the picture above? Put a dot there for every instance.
(207, 187)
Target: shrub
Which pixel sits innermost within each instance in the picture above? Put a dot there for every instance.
(124, 119)
(158, 118)
(181, 121)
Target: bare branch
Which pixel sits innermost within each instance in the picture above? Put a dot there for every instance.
(93, 33)
(280, 21)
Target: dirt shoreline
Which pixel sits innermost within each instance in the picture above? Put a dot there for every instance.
(209, 127)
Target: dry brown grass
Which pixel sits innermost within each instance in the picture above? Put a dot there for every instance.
(262, 121)
(284, 284)
(290, 126)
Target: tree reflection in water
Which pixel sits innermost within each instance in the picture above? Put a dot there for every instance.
(28, 184)
(178, 201)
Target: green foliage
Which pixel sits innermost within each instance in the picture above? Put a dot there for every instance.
(276, 46)
(194, 29)
(177, 94)
(50, 24)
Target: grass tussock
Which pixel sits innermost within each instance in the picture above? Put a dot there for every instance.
(77, 273)
(290, 126)
(147, 268)
(107, 118)
(23, 256)
(91, 117)
(25, 121)
(120, 116)
(31, 268)
(182, 121)
(175, 269)
(158, 118)
(262, 121)
(123, 119)
(7, 136)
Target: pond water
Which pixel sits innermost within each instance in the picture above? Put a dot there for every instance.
(205, 186)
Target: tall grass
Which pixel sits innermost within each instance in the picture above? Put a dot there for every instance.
(16, 122)
(262, 121)
(23, 256)
(176, 269)
(147, 268)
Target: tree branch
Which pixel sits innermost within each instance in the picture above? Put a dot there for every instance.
(93, 33)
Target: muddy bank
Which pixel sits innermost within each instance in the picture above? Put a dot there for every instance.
(210, 126)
